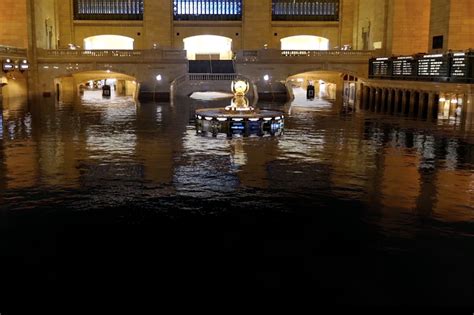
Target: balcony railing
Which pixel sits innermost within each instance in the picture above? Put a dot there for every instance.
(207, 10)
(304, 56)
(108, 9)
(178, 55)
(305, 10)
(9, 51)
(123, 55)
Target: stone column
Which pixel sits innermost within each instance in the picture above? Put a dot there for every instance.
(383, 105)
(389, 101)
(371, 98)
(429, 114)
(404, 101)
(396, 101)
(421, 104)
(378, 95)
(411, 110)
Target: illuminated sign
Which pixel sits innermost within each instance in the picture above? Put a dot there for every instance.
(460, 66)
(433, 66)
(24, 65)
(403, 66)
(8, 65)
(380, 67)
(237, 126)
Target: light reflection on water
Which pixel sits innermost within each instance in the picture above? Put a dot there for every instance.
(105, 153)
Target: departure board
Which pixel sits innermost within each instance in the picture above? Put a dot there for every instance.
(403, 66)
(460, 65)
(433, 66)
(380, 67)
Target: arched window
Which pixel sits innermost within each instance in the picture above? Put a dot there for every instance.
(304, 42)
(208, 47)
(108, 42)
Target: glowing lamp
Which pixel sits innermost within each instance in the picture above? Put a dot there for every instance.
(24, 65)
(8, 65)
(159, 77)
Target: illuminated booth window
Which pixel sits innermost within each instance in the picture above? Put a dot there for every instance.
(304, 42)
(207, 10)
(107, 42)
(108, 9)
(305, 10)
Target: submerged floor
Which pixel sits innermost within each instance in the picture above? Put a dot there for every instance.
(358, 208)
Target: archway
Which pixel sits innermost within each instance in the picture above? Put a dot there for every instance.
(304, 42)
(88, 84)
(108, 42)
(329, 89)
(208, 47)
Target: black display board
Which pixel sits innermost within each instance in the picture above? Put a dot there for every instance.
(433, 66)
(451, 67)
(461, 66)
(403, 67)
(380, 67)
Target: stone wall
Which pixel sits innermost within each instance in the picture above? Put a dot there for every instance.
(13, 23)
(439, 22)
(409, 27)
(461, 25)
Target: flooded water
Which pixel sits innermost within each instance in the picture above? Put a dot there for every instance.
(359, 208)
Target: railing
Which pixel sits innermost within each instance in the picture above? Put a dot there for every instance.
(212, 77)
(305, 10)
(207, 10)
(151, 54)
(12, 51)
(243, 56)
(269, 55)
(108, 9)
(319, 53)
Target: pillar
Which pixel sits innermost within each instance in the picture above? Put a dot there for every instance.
(397, 101)
(371, 98)
(378, 94)
(411, 103)
(421, 104)
(404, 101)
(382, 100)
(389, 101)
(431, 98)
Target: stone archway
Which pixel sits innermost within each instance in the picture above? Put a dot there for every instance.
(335, 87)
(71, 86)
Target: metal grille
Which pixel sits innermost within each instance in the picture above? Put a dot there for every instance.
(305, 10)
(108, 9)
(207, 10)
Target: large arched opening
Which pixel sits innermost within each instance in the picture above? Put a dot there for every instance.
(107, 42)
(304, 42)
(89, 85)
(205, 47)
(323, 89)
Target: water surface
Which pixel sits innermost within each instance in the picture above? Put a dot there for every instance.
(362, 208)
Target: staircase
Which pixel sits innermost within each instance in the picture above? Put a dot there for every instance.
(207, 75)
(211, 66)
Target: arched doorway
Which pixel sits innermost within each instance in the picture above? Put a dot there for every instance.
(304, 42)
(330, 90)
(205, 47)
(108, 42)
(88, 84)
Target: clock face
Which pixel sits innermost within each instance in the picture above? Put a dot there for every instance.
(240, 87)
